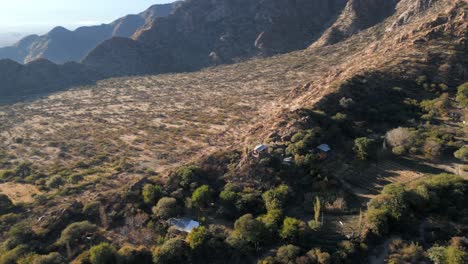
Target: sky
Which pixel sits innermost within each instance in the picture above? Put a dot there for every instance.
(39, 16)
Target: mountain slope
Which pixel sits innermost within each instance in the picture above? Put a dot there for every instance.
(203, 33)
(96, 153)
(61, 45)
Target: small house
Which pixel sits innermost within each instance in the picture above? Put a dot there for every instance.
(323, 151)
(260, 149)
(288, 160)
(184, 224)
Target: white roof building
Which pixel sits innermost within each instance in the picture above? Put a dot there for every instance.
(184, 224)
(260, 148)
(324, 147)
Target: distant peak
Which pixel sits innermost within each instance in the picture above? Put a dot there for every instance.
(58, 30)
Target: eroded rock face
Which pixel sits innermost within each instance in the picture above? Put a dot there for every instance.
(356, 16)
(410, 9)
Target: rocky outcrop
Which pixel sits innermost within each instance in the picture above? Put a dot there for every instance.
(410, 9)
(61, 45)
(356, 16)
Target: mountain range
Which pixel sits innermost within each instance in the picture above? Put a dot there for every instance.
(197, 34)
(61, 45)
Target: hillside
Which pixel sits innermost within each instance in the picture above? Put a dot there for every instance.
(102, 169)
(203, 33)
(61, 45)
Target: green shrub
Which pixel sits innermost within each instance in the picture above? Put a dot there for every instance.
(74, 234)
(462, 95)
(317, 256)
(293, 230)
(166, 208)
(173, 251)
(201, 197)
(52, 258)
(462, 154)
(186, 175)
(272, 220)
(132, 255)
(103, 254)
(288, 254)
(13, 255)
(55, 182)
(6, 205)
(197, 238)
(275, 199)
(151, 193)
(249, 230)
(363, 148)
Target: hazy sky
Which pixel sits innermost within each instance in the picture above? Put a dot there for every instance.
(32, 16)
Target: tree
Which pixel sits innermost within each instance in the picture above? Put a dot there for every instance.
(432, 149)
(5, 204)
(201, 196)
(250, 230)
(272, 220)
(317, 256)
(288, 254)
(363, 147)
(173, 251)
(293, 230)
(399, 137)
(462, 95)
(166, 208)
(198, 237)
(103, 254)
(275, 199)
(132, 255)
(317, 210)
(151, 193)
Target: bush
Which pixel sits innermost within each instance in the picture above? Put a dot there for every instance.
(288, 254)
(275, 199)
(5, 204)
(462, 95)
(363, 148)
(11, 256)
(462, 154)
(317, 256)
(249, 230)
(151, 193)
(52, 258)
(197, 238)
(272, 220)
(20, 233)
(74, 233)
(293, 230)
(400, 136)
(201, 197)
(166, 208)
(187, 175)
(55, 182)
(103, 254)
(174, 251)
(131, 255)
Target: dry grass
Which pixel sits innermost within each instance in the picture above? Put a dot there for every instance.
(155, 121)
(19, 193)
